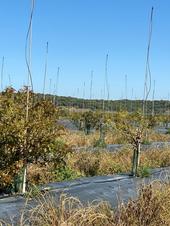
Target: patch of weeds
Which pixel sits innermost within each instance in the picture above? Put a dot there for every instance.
(144, 172)
(33, 191)
(146, 142)
(88, 163)
(65, 173)
(100, 143)
(168, 131)
(117, 168)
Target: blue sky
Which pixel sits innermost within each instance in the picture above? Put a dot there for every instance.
(80, 34)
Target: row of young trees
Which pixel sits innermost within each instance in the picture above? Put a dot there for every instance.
(37, 139)
(89, 120)
(133, 128)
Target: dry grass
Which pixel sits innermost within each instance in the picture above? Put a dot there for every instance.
(104, 162)
(152, 208)
(38, 174)
(79, 139)
(91, 163)
(153, 136)
(69, 211)
(156, 158)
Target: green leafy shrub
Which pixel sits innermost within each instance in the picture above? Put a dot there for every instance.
(144, 172)
(100, 143)
(27, 141)
(146, 142)
(33, 191)
(65, 173)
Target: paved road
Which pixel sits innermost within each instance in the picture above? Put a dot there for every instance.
(109, 188)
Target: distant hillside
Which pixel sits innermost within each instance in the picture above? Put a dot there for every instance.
(160, 106)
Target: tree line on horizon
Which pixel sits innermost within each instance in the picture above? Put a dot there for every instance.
(159, 107)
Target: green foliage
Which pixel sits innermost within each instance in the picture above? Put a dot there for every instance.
(33, 191)
(100, 143)
(110, 105)
(152, 121)
(128, 125)
(85, 120)
(144, 172)
(65, 173)
(89, 121)
(31, 140)
(146, 142)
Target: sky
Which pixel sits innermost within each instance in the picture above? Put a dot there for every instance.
(80, 34)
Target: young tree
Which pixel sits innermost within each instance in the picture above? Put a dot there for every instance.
(133, 127)
(24, 141)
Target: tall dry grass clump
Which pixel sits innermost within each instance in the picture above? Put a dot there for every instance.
(156, 158)
(154, 136)
(69, 211)
(152, 208)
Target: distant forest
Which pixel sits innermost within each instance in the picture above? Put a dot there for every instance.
(157, 106)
